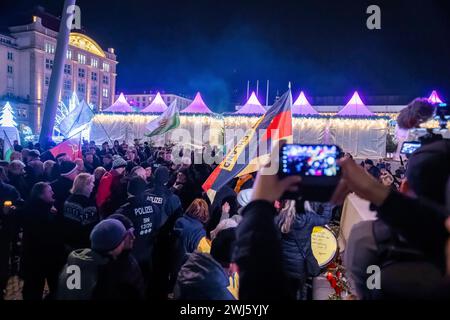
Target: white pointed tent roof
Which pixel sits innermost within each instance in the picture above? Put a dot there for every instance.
(434, 98)
(302, 106)
(197, 106)
(157, 105)
(120, 105)
(355, 107)
(253, 106)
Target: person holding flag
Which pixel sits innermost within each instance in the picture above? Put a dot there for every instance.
(248, 154)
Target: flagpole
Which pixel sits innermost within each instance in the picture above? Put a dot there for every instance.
(56, 77)
(267, 93)
(248, 88)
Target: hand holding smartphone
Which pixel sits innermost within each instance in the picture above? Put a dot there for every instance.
(318, 167)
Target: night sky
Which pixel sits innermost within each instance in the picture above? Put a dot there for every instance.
(215, 46)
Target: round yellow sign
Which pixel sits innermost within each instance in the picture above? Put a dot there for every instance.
(323, 245)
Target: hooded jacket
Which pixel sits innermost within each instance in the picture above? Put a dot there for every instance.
(146, 218)
(296, 245)
(202, 278)
(189, 233)
(87, 262)
(111, 193)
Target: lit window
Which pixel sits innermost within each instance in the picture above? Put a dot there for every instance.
(105, 92)
(94, 76)
(10, 69)
(81, 87)
(94, 63)
(10, 56)
(81, 58)
(48, 64)
(67, 85)
(49, 48)
(81, 72)
(105, 66)
(69, 54)
(67, 69)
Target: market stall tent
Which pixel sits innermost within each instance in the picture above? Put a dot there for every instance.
(253, 106)
(197, 106)
(120, 105)
(302, 106)
(156, 106)
(355, 107)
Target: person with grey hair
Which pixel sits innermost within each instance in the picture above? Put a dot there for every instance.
(50, 170)
(16, 177)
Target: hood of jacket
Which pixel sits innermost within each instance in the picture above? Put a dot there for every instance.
(202, 278)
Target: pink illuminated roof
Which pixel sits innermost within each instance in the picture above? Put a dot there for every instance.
(157, 105)
(253, 106)
(302, 106)
(120, 105)
(434, 98)
(197, 106)
(355, 107)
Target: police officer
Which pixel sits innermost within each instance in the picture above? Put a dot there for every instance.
(170, 205)
(146, 218)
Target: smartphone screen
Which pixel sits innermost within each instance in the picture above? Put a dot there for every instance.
(410, 147)
(310, 160)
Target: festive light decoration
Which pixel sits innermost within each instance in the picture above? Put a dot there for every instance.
(73, 102)
(434, 98)
(120, 105)
(355, 107)
(156, 106)
(61, 113)
(133, 125)
(7, 116)
(302, 106)
(252, 107)
(197, 106)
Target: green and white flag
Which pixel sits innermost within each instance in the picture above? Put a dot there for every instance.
(8, 148)
(168, 120)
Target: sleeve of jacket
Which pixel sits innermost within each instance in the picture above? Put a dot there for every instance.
(104, 189)
(418, 220)
(258, 254)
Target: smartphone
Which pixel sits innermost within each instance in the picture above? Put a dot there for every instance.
(409, 147)
(316, 164)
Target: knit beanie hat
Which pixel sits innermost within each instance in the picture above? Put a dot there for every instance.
(119, 163)
(107, 235)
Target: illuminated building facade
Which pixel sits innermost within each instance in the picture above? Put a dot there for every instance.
(26, 62)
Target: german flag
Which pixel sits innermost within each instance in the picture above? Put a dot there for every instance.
(253, 149)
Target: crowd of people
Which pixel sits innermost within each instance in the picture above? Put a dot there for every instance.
(126, 222)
